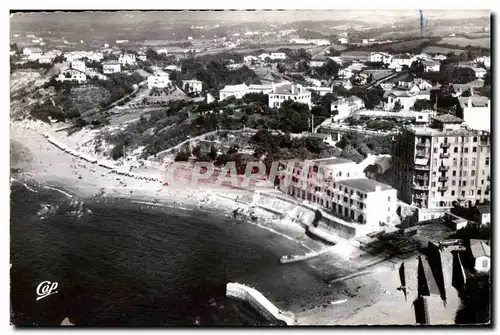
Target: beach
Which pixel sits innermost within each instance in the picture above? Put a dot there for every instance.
(363, 296)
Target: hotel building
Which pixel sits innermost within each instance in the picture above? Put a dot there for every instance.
(437, 165)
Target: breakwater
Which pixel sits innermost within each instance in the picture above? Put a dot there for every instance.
(260, 303)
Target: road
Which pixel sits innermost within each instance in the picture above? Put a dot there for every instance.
(321, 52)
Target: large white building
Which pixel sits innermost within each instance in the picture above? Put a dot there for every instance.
(295, 92)
(431, 66)
(402, 60)
(111, 67)
(344, 191)
(238, 91)
(435, 166)
(127, 59)
(79, 65)
(72, 75)
(345, 106)
(380, 57)
(192, 85)
(278, 55)
(159, 80)
(476, 111)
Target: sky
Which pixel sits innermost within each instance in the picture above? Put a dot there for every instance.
(242, 16)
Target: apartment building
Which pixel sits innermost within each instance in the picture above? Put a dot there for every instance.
(340, 188)
(283, 92)
(435, 166)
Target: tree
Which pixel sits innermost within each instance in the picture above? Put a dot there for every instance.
(397, 106)
(421, 104)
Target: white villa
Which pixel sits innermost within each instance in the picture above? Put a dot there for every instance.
(192, 85)
(111, 67)
(127, 59)
(159, 80)
(287, 91)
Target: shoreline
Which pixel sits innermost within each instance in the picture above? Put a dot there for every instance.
(365, 293)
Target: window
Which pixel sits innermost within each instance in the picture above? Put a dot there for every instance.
(433, 184)
(471, 192)
(453, 193)
(466, 162)
(345, 199)
(464, 183)
(454, 173)
(454, 162)
(455, 150)
(479, 192)
(464, 173)
(472, 182)
(473, 173)
(484, 263)
(389, 199)
(433, 194)
(433, 173)
(466, 150)
(473, 161)
(474, 149)
(463, 193)
(487, 161)
(474, 139)
(435, 150)
(482, 181)
(453, 182)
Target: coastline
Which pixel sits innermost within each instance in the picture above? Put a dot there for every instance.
(364, 294)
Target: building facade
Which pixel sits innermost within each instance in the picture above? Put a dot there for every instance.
(294, 92)
(79, 65)
(159, 80)
(127, 59)
(192, 85)
(109, 68)
(476, 111)
(345, 106)
(435, 166)
(340, 188)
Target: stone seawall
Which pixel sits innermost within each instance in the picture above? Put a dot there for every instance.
(260, 303)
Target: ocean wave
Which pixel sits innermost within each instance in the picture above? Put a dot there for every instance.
(58, 190)
(14, 180)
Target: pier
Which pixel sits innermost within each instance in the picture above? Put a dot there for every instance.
(258, 301)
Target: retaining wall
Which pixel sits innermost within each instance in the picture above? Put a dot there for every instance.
(259, 302)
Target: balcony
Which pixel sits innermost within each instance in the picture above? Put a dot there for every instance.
(443, 178)
(444, 155)
(422, 177)
(422, 155)
(442, 188)
(444, 168)
(423, 144)
(445, 145)
(421, 167)
(421, 187)
(421, 196)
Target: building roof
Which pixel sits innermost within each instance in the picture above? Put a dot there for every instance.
(364, 184)
(479, 248)
(261, 87)
(429, 63)
(35, 49)
(484, 209)
(448, 118)
(401, 94)
(478, 69)
(235, 88)
(476, 100)
(287, 89)
(331, 161)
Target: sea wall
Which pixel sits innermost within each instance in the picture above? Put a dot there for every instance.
(260, 303)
